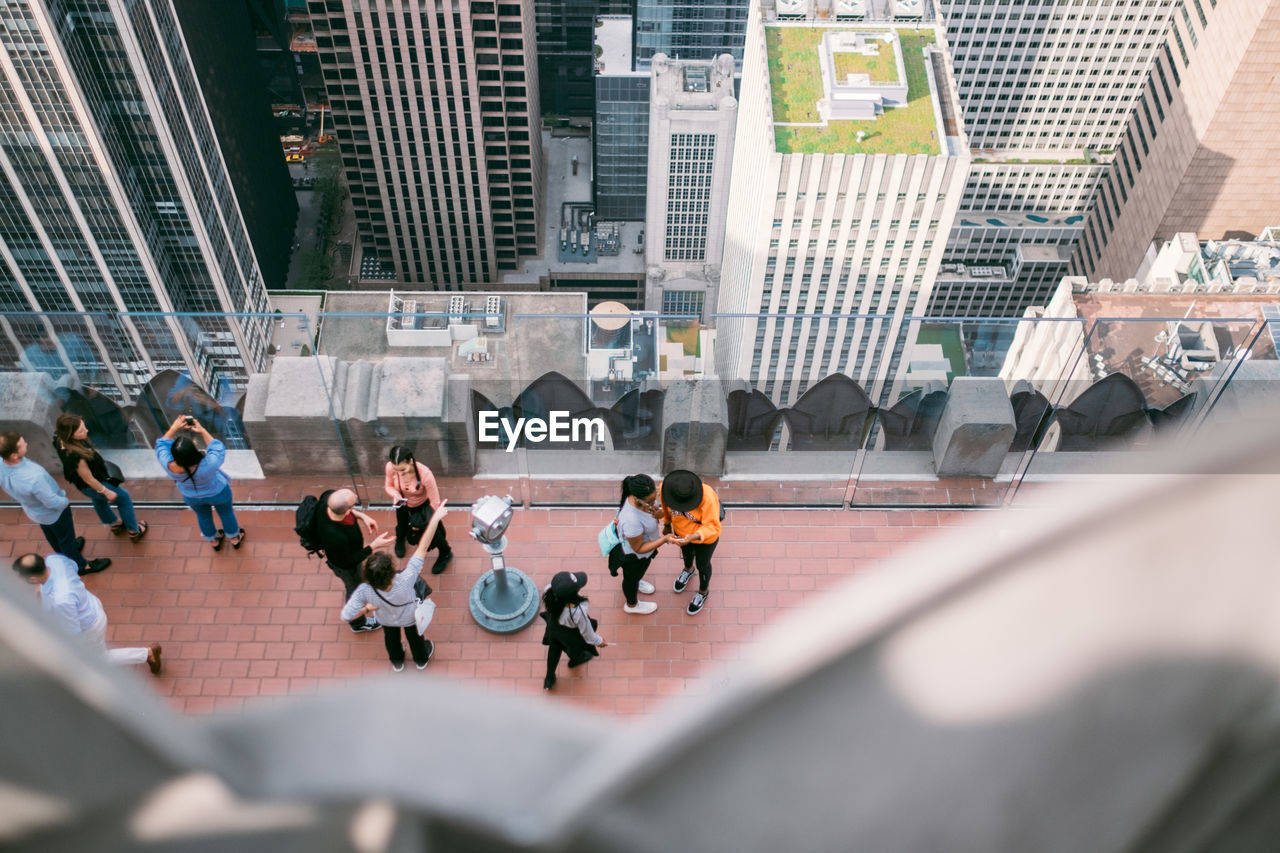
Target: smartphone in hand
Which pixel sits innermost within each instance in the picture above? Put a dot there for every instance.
(399, 503)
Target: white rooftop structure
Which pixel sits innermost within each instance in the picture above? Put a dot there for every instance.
(856, 94)
(613, 38)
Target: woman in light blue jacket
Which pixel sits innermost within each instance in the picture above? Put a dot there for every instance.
(200, 480)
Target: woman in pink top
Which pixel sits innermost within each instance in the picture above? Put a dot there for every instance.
(415, 495)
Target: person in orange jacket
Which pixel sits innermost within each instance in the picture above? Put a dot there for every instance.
(691, 510)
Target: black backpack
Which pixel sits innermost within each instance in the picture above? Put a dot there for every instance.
(305, 525)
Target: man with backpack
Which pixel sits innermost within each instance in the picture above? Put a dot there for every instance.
(337, 526)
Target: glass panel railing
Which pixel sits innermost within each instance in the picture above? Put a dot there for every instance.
(250, 380)
(1136, 385)
(777, 410)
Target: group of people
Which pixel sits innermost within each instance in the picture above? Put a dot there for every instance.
(681, 511)
(197, 474)
(688, 514)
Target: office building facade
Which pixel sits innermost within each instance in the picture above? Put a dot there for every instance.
(621, 130)
(690, 30)
(435, 109)
(115, 198)
(837, 209)
(1202, 153)
(566, 31)
(1046, 88)
(692, 119)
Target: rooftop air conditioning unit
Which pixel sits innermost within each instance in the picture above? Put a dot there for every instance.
(457, 308)
(493, 312)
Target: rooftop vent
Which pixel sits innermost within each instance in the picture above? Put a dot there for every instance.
(457, 308)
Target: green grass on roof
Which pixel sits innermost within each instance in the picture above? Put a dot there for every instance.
(796, 85)
(880, 68)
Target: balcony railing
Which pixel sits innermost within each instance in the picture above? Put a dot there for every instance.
(812, 410)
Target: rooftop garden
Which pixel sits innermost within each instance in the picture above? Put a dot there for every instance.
(880, 68)
(796, 83)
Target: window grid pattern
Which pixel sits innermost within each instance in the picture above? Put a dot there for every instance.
(693, 158)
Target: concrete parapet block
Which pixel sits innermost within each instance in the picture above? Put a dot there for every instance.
(458, 447)
(976, 429)
(288, 420)
(410, 389)
(695, 414)
(30, 409)
(302, 387)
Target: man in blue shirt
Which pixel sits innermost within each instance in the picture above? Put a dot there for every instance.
(42, 501)
(79, 611)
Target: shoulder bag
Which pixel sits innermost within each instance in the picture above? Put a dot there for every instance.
(426, 609)
(608, 537)
(115, 476)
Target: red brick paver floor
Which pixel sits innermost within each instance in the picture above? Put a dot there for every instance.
(263, 621)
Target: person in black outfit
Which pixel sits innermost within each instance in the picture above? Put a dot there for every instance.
(338, 529)
(570, 629)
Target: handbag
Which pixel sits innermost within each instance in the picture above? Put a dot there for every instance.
(114, 475)
(608, 538)
(425, 609)
(422, 615)
(420, 516)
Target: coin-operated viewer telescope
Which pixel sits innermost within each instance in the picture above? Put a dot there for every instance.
(505, 599)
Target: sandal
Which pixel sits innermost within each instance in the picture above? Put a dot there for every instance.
(117, 529)
(217, 543)
(136, 535)
(235, 543)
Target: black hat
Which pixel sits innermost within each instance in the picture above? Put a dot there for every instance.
(681, 491)
(566, 584)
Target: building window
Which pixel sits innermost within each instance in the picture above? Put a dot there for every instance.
(682, 303)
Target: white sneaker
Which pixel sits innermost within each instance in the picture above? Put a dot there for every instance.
(641, 607)
(647, 588)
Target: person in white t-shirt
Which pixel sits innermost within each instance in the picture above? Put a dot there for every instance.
(391, 596)
(641, 536)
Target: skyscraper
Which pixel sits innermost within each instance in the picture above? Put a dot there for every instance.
(621, 132)
(1202, 154)
(847, 173)
(625, 47)
(565, 42)
(1046, 88)
(435, 110)
(220, 38)
(690, 29)
(692, 118)
(114, 197)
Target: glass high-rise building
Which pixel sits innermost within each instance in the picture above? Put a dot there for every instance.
(690, 29)
(115, 198)
(621, 133)
(565, 42)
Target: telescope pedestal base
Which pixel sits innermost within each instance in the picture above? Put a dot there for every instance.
(504, 600)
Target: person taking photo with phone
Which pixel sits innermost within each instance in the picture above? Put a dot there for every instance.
(199, 478)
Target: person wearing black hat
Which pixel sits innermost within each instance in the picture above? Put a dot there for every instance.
(692, 509)
(570, 629)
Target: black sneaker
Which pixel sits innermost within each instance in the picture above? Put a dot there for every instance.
(399, 547)
(367, 626)
(683, 580)
(397, 667)
(94, 566)
(431, 650)
(696, 603)
(442, 562)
